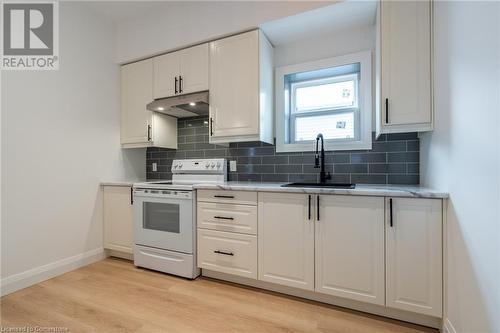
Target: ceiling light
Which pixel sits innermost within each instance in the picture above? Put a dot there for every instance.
(192, 103)
(160, 109)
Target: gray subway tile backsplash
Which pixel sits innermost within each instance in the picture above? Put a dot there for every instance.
(402, 179)
(350, 168)
(394, 159)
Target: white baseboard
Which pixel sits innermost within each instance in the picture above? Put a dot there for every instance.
(33, 276)
(119, 254)
(448, 327)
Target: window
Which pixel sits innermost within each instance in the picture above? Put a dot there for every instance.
(331, 96)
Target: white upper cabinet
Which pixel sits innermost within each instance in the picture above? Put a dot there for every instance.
(166, 75)
(241, 89)
(181, 72)
(350, 248)
(136, 92)
(404, 80)
(139, 126)
(286, 239)
(414, 255)
(193, 69)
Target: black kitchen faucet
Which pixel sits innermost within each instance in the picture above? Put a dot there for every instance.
(323, 176)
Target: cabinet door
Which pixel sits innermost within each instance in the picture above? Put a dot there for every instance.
(286, 240)
(166, 75)
(194, 69)
(136, 92)
(350, 248)
(406, 64)
(118, 225)
(234, 85)
(414, 255)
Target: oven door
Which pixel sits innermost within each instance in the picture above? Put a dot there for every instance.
(164, 219)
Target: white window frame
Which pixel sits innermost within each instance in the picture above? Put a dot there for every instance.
(324, 111)
(365, 104)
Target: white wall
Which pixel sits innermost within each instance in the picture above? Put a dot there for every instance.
(60, 137)
(462, 156)
(181, 24)
(325, 46)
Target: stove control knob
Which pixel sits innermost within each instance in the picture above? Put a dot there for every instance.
(218, 165)
(179, 165)
(175, 166)
(212, 165)
(207, 165)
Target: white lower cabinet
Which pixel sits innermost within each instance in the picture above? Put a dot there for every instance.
(350, 247)
(118, 219)
(383, 251)
(414, 259)
(228, 252)
(286, 240)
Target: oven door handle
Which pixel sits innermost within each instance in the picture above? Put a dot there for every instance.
(165, 198)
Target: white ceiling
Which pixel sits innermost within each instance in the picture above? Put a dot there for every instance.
(125, 10)
(341, 16)
(315, 18)
(120, 10)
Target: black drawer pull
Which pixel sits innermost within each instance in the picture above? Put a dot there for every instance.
(224, 253)
(390, 213)
(224, 196)
(386, 110)
(309, 211)
(317, 204)
(223, 218)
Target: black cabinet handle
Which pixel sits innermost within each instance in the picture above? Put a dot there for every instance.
(386, 110)
(390, 212)
(224, 253)
(309, 211)
(149, 132)
(211, 126)
(224, 196)
(317, 206)
(180, 84)
(223, 218)
(131, 195)
(175, 84)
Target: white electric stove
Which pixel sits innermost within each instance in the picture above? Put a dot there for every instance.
(165, 217)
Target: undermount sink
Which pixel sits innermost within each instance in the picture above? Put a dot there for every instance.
(328, 185)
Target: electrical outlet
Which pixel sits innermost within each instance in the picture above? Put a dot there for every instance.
(232, 166)
(155, 168)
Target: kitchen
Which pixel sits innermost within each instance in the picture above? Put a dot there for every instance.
(298, 166)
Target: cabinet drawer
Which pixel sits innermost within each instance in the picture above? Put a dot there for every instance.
(228, 252)
(227, 217)
(226, 196)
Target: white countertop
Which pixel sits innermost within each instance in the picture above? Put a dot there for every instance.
(412, 191)
(123, 182)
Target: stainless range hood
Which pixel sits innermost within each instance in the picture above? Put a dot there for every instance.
(189, 105)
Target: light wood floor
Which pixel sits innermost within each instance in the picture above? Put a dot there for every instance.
(114, 296)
